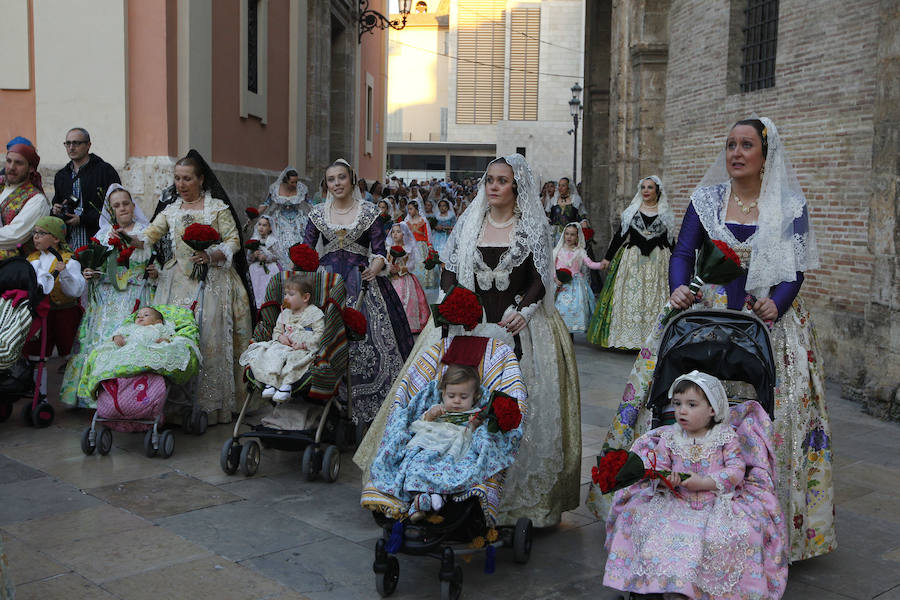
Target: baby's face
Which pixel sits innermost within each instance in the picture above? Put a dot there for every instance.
(459, 397)
(692, 411)
(146, 317)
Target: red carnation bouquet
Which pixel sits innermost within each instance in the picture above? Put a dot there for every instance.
(304, 257)
(433, 259)
(253, 246)
(588, 233)
(124, 258)
(398, 251)
(355, 324)
(501, 413)
(617, 469)
(92, 256)
(564, 275)
(200, 237)
(251, 212)
(121, 245)
(460, 307)
(717, 264)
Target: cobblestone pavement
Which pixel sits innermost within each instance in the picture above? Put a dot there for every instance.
(128, 527)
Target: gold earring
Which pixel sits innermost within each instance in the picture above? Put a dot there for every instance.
(762, 171)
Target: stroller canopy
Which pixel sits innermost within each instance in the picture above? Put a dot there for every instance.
(728, 344)
(16, 273)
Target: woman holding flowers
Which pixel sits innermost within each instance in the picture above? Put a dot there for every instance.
(352, 244)
(421, 229)
(288, 209)
(500, 248)
(638, 260)
(127, 281)
(225, 326)
(751, 200)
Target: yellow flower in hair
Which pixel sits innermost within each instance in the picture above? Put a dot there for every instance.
(765, 132)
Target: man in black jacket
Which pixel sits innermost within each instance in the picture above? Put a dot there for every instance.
(80, 188)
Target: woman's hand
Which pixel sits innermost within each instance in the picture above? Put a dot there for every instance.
(133, 240)
(514, 323)
(375, 267)
(604, 264)
(200, 258)
(152, 271)
(682, 297)
(765, 309)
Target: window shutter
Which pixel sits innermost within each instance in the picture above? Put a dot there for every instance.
(481, 53)
(524, 62)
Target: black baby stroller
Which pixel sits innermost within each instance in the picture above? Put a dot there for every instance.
(23, 315)
(467, 522)
(322, 436)
(728, 344)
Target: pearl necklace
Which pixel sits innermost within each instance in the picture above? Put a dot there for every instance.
(502, 225)
(745, 209)
(345, 211)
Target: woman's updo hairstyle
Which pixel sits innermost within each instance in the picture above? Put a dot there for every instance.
(760, 130)
(656, 185)
(288, 174)
(190, 161)
(342, 163)
(514, 182)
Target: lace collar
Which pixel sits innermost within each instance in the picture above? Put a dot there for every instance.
(656, 228)
(211, 206)
(710, 204)
(514, 255)
(338, 235)
(697, 449)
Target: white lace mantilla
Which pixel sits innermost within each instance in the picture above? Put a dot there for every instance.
(697, 449)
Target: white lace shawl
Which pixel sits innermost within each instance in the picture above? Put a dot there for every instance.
(409, 243)
(560, 244)
(665, 216)
(784, 242)
(277, 198)
(531, 236)
(106, 225)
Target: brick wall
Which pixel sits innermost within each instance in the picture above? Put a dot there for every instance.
(822, 104)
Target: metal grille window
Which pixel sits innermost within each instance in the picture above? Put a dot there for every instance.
(760, 43)
(481, 53)
(524, 60)
(252, 41)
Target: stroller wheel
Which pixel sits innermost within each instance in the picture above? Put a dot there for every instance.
(199, 423)
(522, 537)
(6, 410)
(450, 590)
(386, 582)
(229, 458)
(149, 450)
(308, 463)
(42, 415)
(104, 441)
(250, 455)
(166, 444)
(331, 464)
(87, 445)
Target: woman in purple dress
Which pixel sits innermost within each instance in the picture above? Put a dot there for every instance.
(351, 242)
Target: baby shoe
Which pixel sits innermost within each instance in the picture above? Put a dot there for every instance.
(282, 395)
(268, 392)
(437, 502)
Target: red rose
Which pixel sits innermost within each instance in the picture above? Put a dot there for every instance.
(125, 256)
(355, 322)
(116, 242)
(252, 245)
(251, 212)
(304, 257)
(397, 251)
(728, 252)
(96, 241)
(198, 232)
(564, 275)
(507, 410)
(588, 233)
(79, 250)
(461, 307)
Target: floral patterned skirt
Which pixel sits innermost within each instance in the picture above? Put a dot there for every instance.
(575, 303)
(802, 441)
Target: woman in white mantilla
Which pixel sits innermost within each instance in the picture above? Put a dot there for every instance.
(501, 249)
(638, 260)
(287, 206)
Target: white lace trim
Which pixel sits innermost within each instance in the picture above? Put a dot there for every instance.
(696, 449)
(665, 222)
(225, 249)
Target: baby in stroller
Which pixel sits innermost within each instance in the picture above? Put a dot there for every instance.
(441, 444)
(149, 327)
(713, 528)
(284, 359)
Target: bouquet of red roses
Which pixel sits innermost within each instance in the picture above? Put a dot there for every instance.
(251, 212)
(398, 251)
(304, 257)
(716, 263)
(460, 307)
(617, 469)
(433, 259)
(124, 258)
(588, 233)
(200, 237)
(501, 413)
(355, 324)
(564, 275)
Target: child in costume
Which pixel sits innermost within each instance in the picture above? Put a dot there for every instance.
(263, 261)
(574, 298)
(59, 276)
(295, 339)
(402, 251)
(719, 532)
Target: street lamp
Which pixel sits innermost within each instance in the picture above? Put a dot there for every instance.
(575, 108)
(370, 19)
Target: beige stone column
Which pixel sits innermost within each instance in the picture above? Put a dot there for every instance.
(195, 77)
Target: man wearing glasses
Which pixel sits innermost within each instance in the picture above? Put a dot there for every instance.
(80, 188)
(22, 200)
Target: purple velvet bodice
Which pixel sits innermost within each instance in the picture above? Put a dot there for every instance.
(691, 238)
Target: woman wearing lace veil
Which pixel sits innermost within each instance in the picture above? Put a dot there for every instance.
(751, 199)
(287, 205)
(117, 288)
(638, 260)
(198, 197)
(500, 248)
(351, 242)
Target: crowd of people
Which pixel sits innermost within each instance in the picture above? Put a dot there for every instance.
(527, 251)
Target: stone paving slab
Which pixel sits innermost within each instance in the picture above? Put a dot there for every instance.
(27, 563)
(77, 525)
(13, 470)
(163, 495)
(70, 586)
(39, 497)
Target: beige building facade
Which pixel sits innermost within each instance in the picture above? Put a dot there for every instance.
(253, 86)
(664, 84)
